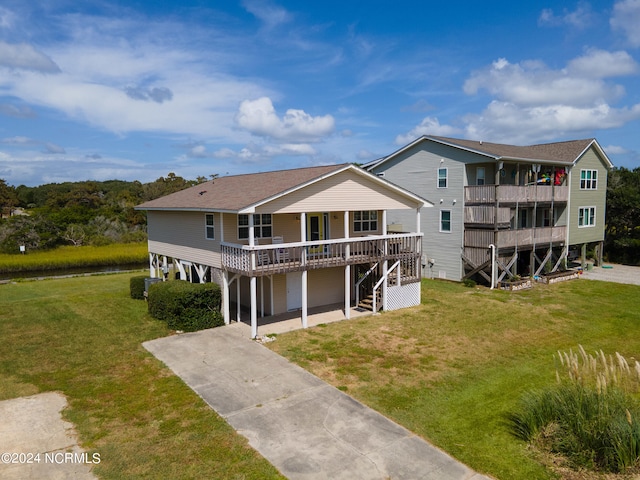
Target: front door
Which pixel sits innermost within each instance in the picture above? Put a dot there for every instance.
(317, 229)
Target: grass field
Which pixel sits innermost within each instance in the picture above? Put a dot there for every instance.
(69, 257)
(448, 370)
(451, 368)
(82, 336)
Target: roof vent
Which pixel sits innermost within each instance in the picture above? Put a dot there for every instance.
(202, 192)
(480, 142)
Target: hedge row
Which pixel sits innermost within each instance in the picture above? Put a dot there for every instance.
(186, 306)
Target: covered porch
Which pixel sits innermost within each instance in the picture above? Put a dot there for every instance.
(398, 255)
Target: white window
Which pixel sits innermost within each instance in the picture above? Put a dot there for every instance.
(587, 217)
(365, 221)
(209, 230)
(445, 220)
(480, 176)
(261, 225)
(443, 175)
(588, 179)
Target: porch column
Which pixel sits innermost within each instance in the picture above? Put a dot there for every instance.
(252, 242)
(254, 307)
(303, 238)
(271, 286)
(418, 227)
(152, 270)
(385, 263)
(347, 271)
(238, 298)
(225, 297)
(165, 268)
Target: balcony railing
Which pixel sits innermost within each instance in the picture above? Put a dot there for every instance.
(516, 194)
(486, 215)
(525, 237)
(290, 257)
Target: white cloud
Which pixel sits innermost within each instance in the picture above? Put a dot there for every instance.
(579, 18)
(531, 102)
(428, 126)
(25, 57)
(533, 83)
(615, 150)
(271, 15)
(296, 126)
(596, 63)
(509, 123)
(626, 19)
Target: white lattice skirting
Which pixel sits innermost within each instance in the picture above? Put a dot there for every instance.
(403, 296)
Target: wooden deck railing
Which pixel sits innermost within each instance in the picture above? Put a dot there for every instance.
(511, 238)
(290, 257)
(486, 215)
(515, 194)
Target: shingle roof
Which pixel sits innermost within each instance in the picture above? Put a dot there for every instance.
(567, 151)
(235, 192)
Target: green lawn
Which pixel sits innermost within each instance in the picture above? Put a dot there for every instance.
(450, 368)
(82, 336)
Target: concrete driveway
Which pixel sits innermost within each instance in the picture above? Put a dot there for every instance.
(306, 428)
(611, 272)
(35, 442)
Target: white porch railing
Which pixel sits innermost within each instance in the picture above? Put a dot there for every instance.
(289, 257)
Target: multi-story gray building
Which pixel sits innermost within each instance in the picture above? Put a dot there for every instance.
(511, 210)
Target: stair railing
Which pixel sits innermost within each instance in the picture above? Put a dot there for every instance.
(357, 286)
(384, 279)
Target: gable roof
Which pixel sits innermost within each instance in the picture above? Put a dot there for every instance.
(567, 152)
(242, 193)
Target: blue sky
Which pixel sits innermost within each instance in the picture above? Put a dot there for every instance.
(134, 90)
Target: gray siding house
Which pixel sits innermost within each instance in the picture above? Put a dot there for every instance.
(501, 210)
(291, 240)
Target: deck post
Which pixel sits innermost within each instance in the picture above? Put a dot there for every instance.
(238, 299)
(152, 270)
(225, 297)
(347, 270)
(303, 238)
(254, 307)
(385, 263)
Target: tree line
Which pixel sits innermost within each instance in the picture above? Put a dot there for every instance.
(98, 213)
(78, 213)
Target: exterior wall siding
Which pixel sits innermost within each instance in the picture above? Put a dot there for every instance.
(587, 198)
(344, 190)
(417, 171)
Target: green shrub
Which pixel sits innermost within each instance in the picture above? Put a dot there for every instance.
(186, 306)
(136, 287)
(588, 417)
(467, 282)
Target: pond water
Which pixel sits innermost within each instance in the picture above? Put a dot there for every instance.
(75, 271)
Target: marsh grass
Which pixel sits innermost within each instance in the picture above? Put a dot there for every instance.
(82, 336)
(70, 257)
(451, 368)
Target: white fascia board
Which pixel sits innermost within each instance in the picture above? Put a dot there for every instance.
(599, 149)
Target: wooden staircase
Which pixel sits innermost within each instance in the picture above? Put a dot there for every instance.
(367, 302)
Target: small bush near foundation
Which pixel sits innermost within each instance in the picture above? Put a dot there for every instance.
(467, 282)
(136, 287)
(592, 417)
(186, 306)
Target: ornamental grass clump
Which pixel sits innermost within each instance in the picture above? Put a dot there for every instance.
(591, 416)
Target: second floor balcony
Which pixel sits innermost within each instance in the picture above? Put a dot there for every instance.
(524, 237)
(512, 194)
(279, 258)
